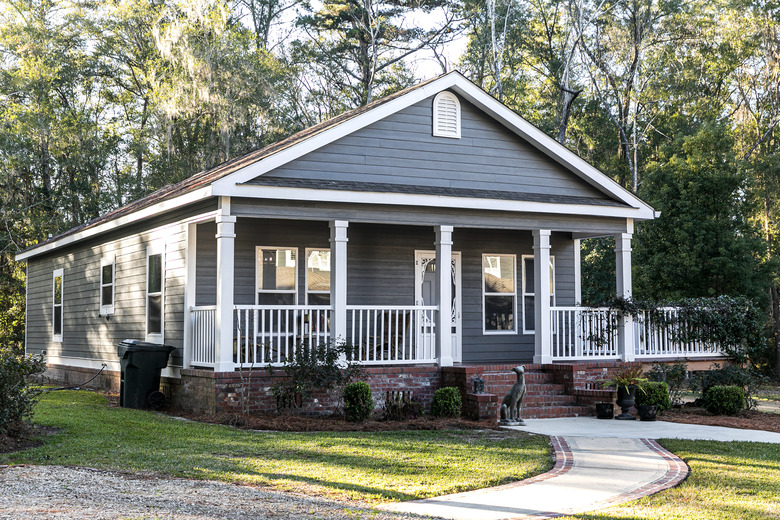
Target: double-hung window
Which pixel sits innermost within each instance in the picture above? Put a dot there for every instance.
(529, 323)
(277, 282)
(318, 276)
(155, 289)
(499, 292)
(107, 275)
(56, 307)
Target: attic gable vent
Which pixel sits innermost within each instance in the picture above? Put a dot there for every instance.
(446, 115)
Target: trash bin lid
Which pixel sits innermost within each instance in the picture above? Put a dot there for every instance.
(136, 345)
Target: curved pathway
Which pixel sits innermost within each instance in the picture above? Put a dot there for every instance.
(589, 474)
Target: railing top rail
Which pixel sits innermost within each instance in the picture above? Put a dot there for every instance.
(283, 307)
(203, 308)
(579, 308)
(393, 307)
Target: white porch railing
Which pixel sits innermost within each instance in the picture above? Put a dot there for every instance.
(269, 334)
(392, 334)
(667, 336)
(203, 325)
(583, 333)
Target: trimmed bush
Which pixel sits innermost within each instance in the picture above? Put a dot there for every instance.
(724, 400)
(729, 375)
(653, 392)
(358, 403)
(17, 398)
(446, 402)
(674, 375)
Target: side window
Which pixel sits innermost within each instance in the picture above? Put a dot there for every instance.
(318, 276)
(56, 307)
(155, 288)
(107, 276)
(499, 293)
(277, 283)
(528, 292)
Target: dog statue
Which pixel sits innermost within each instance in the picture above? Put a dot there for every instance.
(513, 400)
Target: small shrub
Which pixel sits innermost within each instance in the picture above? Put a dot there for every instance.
(674, 375)
(654, 392)
(729, 375)
(358, 403)
(401, 406)
(724, 400)
(446, 402)
(17, 397)
(314, 368)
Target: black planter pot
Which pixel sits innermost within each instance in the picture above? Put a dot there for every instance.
(647, 412)
(605, 411)
(625, 400)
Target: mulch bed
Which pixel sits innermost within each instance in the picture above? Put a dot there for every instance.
(24, 436)
(746, 420)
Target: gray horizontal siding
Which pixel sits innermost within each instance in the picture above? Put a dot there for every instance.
(86, 334)
(401, 149)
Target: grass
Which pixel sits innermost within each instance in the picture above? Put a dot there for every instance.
(728, 480)
(367, 467)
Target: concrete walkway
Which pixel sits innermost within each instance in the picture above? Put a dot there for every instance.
(598, 463)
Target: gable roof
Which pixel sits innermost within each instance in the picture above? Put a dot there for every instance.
(223, 179)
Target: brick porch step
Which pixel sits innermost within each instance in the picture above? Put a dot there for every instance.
(551, 412)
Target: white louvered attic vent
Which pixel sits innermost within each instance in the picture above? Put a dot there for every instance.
(446, 115)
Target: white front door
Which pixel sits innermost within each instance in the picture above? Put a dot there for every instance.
(425, 291)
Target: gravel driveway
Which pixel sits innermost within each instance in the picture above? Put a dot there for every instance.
(56, 492)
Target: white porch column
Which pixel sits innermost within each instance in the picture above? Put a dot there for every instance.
(444, 289)
(577, 272)
(226, 236)
(542, 324)
(338, 279)
(623, 286)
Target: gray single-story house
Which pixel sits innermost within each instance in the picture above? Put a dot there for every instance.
(338, 233)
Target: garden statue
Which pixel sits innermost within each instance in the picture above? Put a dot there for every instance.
(513, 400)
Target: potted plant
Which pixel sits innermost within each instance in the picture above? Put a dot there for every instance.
(652, 398)
(625, 381)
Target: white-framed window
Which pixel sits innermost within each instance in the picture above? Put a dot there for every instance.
(155, 292)
(317, 276)
(446, 115)
(277, 281)
(56, 305)
(107, 284)
(499, 294)
(529, 323)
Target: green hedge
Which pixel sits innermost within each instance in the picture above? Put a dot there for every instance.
(446, 402)
(724, 400)
(358, 403)
(17, 397)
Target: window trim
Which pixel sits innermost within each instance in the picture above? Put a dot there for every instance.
(155, 249)
(532, 330)
(107, 309)
(57, 338)
(446, 94)
(306, 273)
(485, 294)
(293, 291)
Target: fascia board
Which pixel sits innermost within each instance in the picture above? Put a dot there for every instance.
(545, 143)
(435, 201)
(151, 211)
(334, 133)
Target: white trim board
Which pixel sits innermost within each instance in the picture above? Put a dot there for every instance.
(436, 201)
(97, 364)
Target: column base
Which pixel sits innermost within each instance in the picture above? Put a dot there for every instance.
(542, 360)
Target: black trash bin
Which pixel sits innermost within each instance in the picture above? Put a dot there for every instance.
(141, 364)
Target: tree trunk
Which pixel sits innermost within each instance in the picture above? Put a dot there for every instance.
(567, 99)
(776, 327)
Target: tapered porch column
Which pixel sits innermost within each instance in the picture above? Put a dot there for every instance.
(444, 288)
(542, 325)
(623, 286)
(226, 236)
(338, 279)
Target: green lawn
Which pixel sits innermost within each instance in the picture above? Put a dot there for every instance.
(728, 481)
(370, 467)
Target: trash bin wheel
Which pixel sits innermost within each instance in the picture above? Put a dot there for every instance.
(156, 400)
